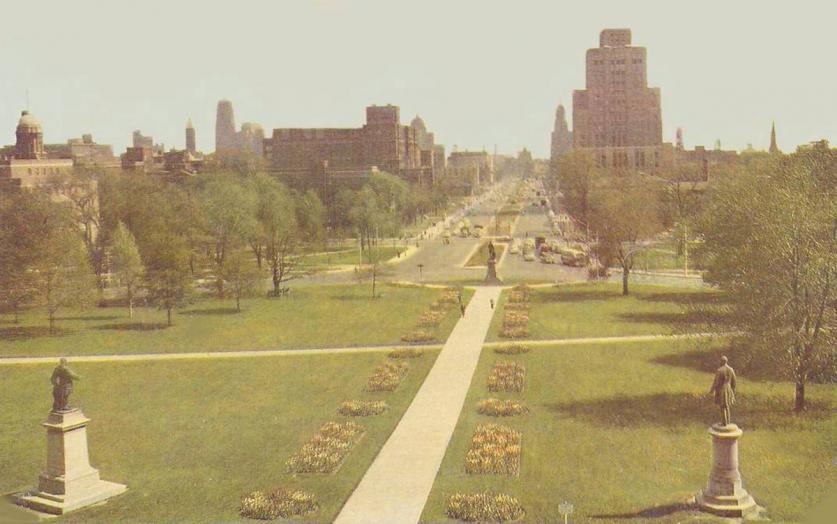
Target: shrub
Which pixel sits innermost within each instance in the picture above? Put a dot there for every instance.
(495, 450)
(514, 332)
(514, 349)
(418, 335)
(484, 507)
(387, 376)
(494, 407)
(506, 376)
(279, 503)
(406, 353)
(325, 452)
(431, 318)
(362, 408)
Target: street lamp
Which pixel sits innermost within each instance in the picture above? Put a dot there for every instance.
(565, 509)
(420, 266)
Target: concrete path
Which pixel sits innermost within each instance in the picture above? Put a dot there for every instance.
(395, 488)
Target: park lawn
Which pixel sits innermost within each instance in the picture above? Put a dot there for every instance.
(348, 257)
(189, 438)
(296, 321)
(480, 257)
(600, 310)
(620, 431)
(665, 257)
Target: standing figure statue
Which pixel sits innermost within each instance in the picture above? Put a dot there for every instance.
(62, 385)
(723, 387)
(492, 255)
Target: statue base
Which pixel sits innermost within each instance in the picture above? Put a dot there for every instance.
(69, 482)
(491, 277)
(725, 495)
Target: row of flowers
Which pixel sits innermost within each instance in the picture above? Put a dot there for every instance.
(516, 314)
(507, 376)
(326, 450)
(387, 376)
(484, 507)
(430, 319)
(494, 450)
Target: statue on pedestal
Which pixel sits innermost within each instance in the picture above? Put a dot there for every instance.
(491, 276)
(723, 387)
(62, 386)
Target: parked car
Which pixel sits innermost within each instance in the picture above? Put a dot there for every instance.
(573, 258)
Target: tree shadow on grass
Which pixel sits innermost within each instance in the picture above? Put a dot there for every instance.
(679, 410)
(678, 319)
(133, 326)
(688, 298)
(29, 332)
(655, 512)
(90, 318)
(747, 364)
(564, 295)
(211, 311)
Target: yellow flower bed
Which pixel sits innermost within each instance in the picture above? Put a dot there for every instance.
(362, 408)
(517, 306)
(495, 450)
(484, 507)
(406, 353)
(325, 452)
(514, 349)
(418, 335)
(430, 319)
(279, 503)
(494, 407)
(515, 318)
(387, 376)
(507, 376)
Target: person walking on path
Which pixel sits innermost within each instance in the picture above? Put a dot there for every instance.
(491, 300)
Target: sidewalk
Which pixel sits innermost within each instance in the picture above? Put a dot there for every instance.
(395, 488)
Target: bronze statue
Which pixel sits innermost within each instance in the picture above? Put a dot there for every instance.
(62, 385)
(723, 387)
(492, 255)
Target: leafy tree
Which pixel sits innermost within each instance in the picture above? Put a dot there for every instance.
(80, 189)
(277, 228)
(375, 266)
(624, 217)
(127, 263)
(770, 242)
(230, 211)
(578, 175)
(17, 255)
(168, 278)
(241, 276)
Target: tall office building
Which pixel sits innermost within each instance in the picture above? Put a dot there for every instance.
(190, 137)
(617, 117)
(562, 137)
(225, 139)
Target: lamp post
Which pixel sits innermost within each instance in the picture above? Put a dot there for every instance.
(420, 266)
(565, 509)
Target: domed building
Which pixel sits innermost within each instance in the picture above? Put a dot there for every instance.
(26, 164)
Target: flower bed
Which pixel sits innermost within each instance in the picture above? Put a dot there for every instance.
(362, 408)
(515, 332)
(406, 353)
(495, 450)
(515, 318)
(418, 335)
(484, 507)
(279, 503)
(431, 319)
(387, 376)
(517, 306)
(494, 407)
(450, 296)
(507, 376)
(439, 306)
(325, 452)
(514, 349)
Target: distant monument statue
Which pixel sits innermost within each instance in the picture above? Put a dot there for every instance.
(62, 386)
(491, 277)
(725, 494)
(68, 482)
(723, 387)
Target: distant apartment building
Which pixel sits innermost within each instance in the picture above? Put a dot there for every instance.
(617, 116)
(468, 171)
(28, 163)
(227, 140)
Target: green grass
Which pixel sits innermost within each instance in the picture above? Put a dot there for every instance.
(480, 256)
(348, 257)
(619, 430)
(664, 257)
(189, 438)
(297, 321)
(600, 310)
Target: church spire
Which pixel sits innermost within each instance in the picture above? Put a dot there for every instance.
(773, 147)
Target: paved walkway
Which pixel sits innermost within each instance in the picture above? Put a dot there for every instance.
(395, 488)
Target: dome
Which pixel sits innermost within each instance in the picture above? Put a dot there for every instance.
(417, 123)
(28, 122)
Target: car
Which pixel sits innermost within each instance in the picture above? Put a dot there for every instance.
(573, 258)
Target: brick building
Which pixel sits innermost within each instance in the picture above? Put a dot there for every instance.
(617, 117)
(29, 164)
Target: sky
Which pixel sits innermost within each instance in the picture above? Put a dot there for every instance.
(480, 73)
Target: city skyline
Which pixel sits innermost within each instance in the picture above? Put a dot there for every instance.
(478, 77)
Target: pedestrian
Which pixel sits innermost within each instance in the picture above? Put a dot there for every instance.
(462, 309)
(459, 296)
(491, 300)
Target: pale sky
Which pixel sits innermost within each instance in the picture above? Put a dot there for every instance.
(480, 73)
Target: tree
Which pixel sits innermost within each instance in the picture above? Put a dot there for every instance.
(681, 201)
(17, 286)
(230, 211)
(168, 278)
(374, 268)
(623, 215)
(770, 242)
(578, 175)
(241, 277)
(127, 264)
(277, 227)
(80, 189)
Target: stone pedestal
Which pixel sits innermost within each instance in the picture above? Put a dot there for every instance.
(725, 494)
(491, 277)
(68, 482)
